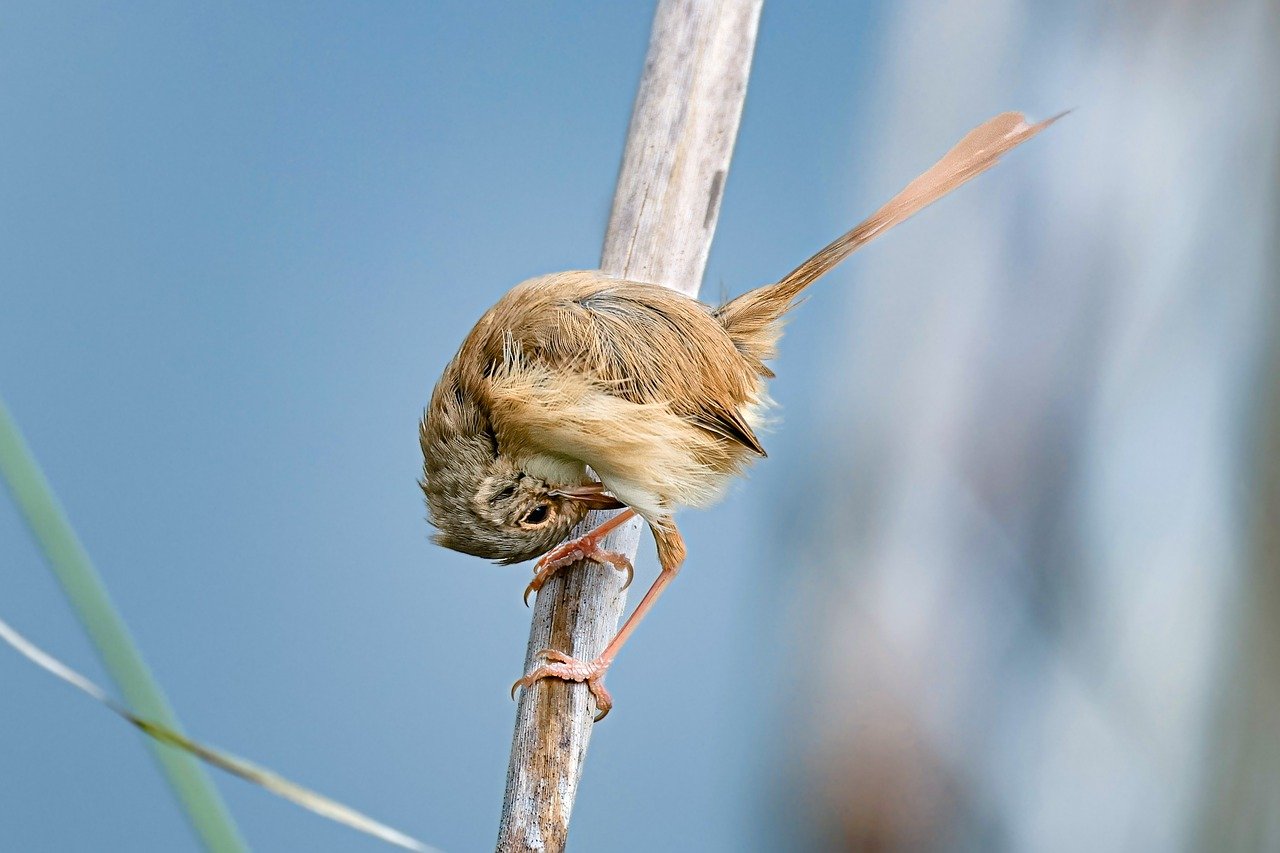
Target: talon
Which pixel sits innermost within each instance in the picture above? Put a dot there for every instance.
(573, 551)
(571, 669)
(619, 562)
(604, 702)
(551, 654)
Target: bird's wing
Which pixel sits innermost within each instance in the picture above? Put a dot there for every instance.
(622, 376)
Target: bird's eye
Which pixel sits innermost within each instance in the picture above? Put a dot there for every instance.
(537, 515)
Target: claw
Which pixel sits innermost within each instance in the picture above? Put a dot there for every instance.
(571, 669)
(622, 565)
(571, 552)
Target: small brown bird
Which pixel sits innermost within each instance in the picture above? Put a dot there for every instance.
(656, 393)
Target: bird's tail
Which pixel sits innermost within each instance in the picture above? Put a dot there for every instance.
(751, 319)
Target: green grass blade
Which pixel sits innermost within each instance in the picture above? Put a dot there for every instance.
(199, 798)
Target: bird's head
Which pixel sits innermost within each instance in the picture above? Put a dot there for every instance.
(483, 504)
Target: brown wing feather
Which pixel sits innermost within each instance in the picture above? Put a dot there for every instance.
(642, 343)
(731, 424)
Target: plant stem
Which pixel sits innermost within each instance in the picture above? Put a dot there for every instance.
(664, 215)
(70, 562)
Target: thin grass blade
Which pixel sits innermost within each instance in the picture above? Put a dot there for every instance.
(70, 562)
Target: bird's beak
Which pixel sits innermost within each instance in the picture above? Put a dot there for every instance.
(591, 495)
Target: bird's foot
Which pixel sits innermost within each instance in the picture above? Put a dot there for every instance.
(575, 550)
(571, 669)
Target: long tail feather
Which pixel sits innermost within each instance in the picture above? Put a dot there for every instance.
(978, 151)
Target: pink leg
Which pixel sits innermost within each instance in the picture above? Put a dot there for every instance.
(585, 547)
(671, 553)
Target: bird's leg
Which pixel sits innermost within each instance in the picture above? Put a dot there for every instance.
(671, 553)
(586, 547)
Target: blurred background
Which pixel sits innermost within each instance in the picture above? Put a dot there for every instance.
(1007, 580)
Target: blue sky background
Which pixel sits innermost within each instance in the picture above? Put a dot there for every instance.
(238, 242)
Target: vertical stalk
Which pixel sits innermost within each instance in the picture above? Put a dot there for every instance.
(665, 209)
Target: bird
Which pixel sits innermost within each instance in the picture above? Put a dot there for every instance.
(580, 391)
